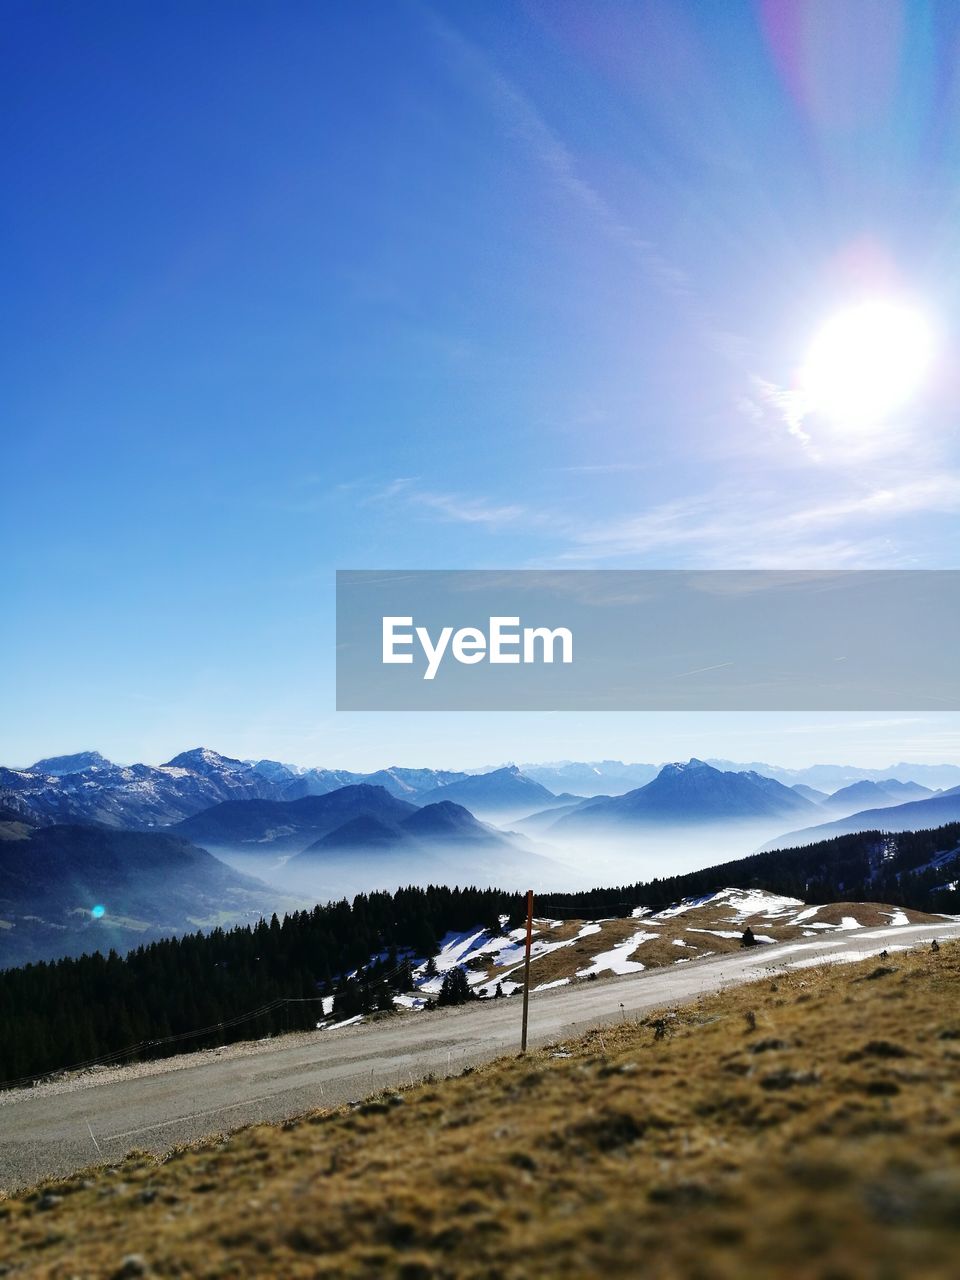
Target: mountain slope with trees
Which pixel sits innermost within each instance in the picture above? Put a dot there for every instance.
(66, 889)
(66, 1012)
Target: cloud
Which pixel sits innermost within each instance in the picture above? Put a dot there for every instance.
(453, 506)
(733, 526)
(786, 406)
(740, 527)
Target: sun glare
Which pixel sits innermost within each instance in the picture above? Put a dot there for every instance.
(867, 362)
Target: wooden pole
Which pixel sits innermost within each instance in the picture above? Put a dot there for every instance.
(526, 972)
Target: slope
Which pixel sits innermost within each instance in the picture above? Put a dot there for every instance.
(791, 1129)
(915, 815)
(69, 889)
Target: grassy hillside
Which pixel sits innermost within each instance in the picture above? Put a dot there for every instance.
(799, 1128)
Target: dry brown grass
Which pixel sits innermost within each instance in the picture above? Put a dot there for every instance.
(799, 1129)
(693, 927)
(869, 914)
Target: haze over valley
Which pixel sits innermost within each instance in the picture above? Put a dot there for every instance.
(97, 853)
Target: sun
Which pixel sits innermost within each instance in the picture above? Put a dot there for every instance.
(867, 362)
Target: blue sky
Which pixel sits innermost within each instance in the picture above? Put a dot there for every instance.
(298, 287)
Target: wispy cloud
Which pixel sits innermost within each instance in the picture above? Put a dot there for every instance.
(453, 506)
(785, 405)
(747, 525)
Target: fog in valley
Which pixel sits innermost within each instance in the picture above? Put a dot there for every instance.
(551, 862)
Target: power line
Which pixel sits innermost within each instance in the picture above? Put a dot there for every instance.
(114, 1056)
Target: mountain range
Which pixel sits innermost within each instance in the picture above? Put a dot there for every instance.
(291, 826)
(174, 846)
(613, 777)
(867, 794)
(360, 837)
(86, 787)
(693, 792)
(500, 794)
(915, 815)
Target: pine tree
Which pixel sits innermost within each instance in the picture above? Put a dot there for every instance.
(455, 988)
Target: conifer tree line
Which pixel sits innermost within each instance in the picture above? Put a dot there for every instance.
(865, 866)
(57, 1014)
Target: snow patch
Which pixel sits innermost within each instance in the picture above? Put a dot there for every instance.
(347, 1022)
(616, 960)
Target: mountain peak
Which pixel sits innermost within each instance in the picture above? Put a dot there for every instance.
(203, 760)
(56, 766)
(688, 766)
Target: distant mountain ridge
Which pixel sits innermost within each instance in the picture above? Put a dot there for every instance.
(361, 838)
(340, 819)
(915, 815)
(289, 826)
(443, 822)
(614, 777)
(137, 796)
(690, 793)
(86, 787)
(868, 794)
(57, 766)
(499, 793)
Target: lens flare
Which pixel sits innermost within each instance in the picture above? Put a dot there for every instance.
(98, 911)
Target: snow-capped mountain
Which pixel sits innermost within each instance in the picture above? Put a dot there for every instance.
(58, 766)
(86, 787)
(132, 796)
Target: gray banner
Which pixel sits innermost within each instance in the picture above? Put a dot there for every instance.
(647, 640)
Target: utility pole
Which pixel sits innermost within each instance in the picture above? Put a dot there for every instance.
(526, 972)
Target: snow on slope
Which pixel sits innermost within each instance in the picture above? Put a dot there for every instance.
(616, 960)
(566, 951)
